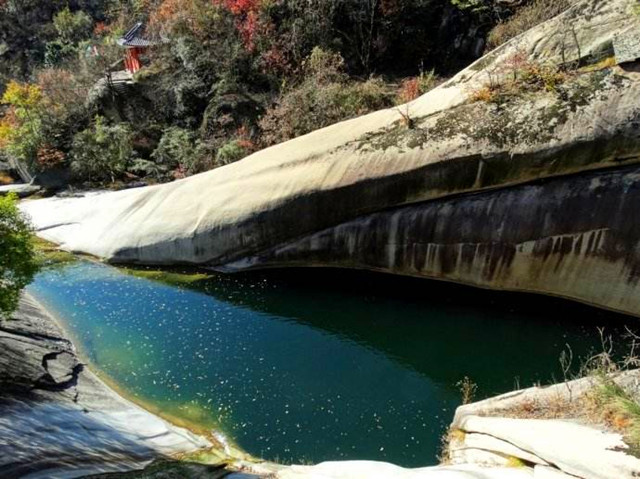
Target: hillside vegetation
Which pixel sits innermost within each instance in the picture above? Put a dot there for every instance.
(226, 77)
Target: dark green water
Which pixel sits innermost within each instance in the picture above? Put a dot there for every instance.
(317, 365)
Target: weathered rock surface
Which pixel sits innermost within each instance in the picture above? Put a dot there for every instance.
(373, 193)
(572, 448)
(554, 448)
(569, 237)
(540, 397)
(58, 420)
(381, 470)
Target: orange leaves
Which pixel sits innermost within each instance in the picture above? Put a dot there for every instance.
(241, 7)
(409, 90)
(165, 13)
(412, 88)
(22, 98)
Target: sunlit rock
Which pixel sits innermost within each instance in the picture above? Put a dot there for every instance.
(381, 470)
(361, 193)
(575, 449)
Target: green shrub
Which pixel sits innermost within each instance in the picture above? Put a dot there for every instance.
(149, 169)
(233, 151)
(17, 255)
(180, 148)
(72, 27)
(102, 153)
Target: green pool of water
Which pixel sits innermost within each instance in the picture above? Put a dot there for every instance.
(314, 365)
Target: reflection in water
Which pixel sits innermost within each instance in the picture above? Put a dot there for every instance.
(316, 365)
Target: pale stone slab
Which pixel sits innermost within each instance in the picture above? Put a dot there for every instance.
(541, 395)
(227, 217)
(381, 470)
(480, 457)
(547, 472)
(573, 448)
(627, 45)
(495, 445)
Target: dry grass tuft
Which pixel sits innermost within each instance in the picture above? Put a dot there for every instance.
(519, 76)
(486, 94)
(616, 407)
(608, 62)
(453, 436)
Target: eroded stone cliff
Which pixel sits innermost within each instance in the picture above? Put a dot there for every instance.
(382, 191)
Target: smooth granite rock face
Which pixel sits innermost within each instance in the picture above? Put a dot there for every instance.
(571, 237)
(58, 420)
(326, 199)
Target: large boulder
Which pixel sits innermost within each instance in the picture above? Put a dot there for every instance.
(374, 192)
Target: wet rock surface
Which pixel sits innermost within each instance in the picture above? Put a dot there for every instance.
(57, 419)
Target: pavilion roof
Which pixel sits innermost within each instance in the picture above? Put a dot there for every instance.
(134, 38)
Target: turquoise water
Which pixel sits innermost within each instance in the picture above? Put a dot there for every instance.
(313, 365)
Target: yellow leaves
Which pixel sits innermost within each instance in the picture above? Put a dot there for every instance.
(24, 98)
(22, 95)
(5, 135)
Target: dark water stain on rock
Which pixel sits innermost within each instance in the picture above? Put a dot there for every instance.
(520, 237)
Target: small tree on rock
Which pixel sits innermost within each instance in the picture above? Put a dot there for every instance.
(18, 264)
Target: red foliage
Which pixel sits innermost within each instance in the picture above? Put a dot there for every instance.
(248, 22)
(179, 173)
(49, 157)
(409, 90)
(243, 139)
(241, 7)
(170, 13)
